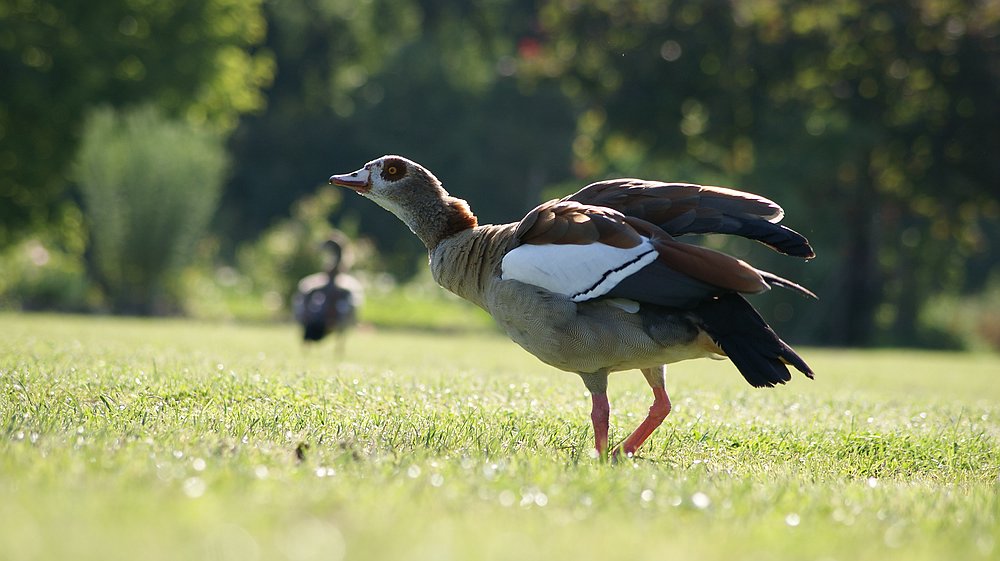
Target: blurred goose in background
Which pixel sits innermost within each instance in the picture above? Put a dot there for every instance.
(596, 282)
(327, 302)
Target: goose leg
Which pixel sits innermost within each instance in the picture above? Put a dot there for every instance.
(657, 412)
(599, 414)
(597, 384)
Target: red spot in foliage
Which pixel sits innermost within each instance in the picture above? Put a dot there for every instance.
(529, 48)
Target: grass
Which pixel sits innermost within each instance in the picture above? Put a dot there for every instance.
(135, 439)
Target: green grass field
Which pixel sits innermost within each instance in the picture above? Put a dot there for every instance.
(172, 439)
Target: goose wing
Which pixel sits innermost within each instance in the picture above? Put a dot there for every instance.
(587, 251)
(684, 208)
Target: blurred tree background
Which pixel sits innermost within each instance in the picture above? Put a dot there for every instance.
(149, 186)
(875, 124)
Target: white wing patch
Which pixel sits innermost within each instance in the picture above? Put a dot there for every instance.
(582, 272)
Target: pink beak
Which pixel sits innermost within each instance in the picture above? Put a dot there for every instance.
(357, 180)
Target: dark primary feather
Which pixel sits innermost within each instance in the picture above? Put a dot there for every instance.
(672, 288)
(756, 350)
(682, 208)
(785, 283)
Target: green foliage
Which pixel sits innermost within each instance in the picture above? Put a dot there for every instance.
(130, 438)
(59, 58)
(972, 320)
(150, 186)
(46, 272)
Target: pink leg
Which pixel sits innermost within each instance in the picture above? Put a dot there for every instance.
(657, 412)
(599, 414)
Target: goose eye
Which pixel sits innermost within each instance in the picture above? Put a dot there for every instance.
(393, 170)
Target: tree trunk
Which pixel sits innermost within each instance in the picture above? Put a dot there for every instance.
(853, 314)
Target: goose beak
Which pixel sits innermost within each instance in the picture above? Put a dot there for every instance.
(358, 181)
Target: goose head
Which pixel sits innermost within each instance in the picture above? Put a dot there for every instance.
(413, 194)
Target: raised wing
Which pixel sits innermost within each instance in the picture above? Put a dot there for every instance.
(586, 252)
(684, 208)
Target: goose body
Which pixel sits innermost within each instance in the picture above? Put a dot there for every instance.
(605, 333)
(596, 282)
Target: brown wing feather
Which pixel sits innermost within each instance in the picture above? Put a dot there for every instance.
(710, 266)
(568, 222)
(701, 263)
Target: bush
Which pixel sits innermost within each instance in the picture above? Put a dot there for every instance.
(972, 319)
(150, 185)
(45, 271)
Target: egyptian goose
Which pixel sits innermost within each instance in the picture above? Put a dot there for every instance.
(328, 301)
(596, 282)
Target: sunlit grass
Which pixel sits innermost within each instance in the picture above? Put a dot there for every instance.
(135, 439)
